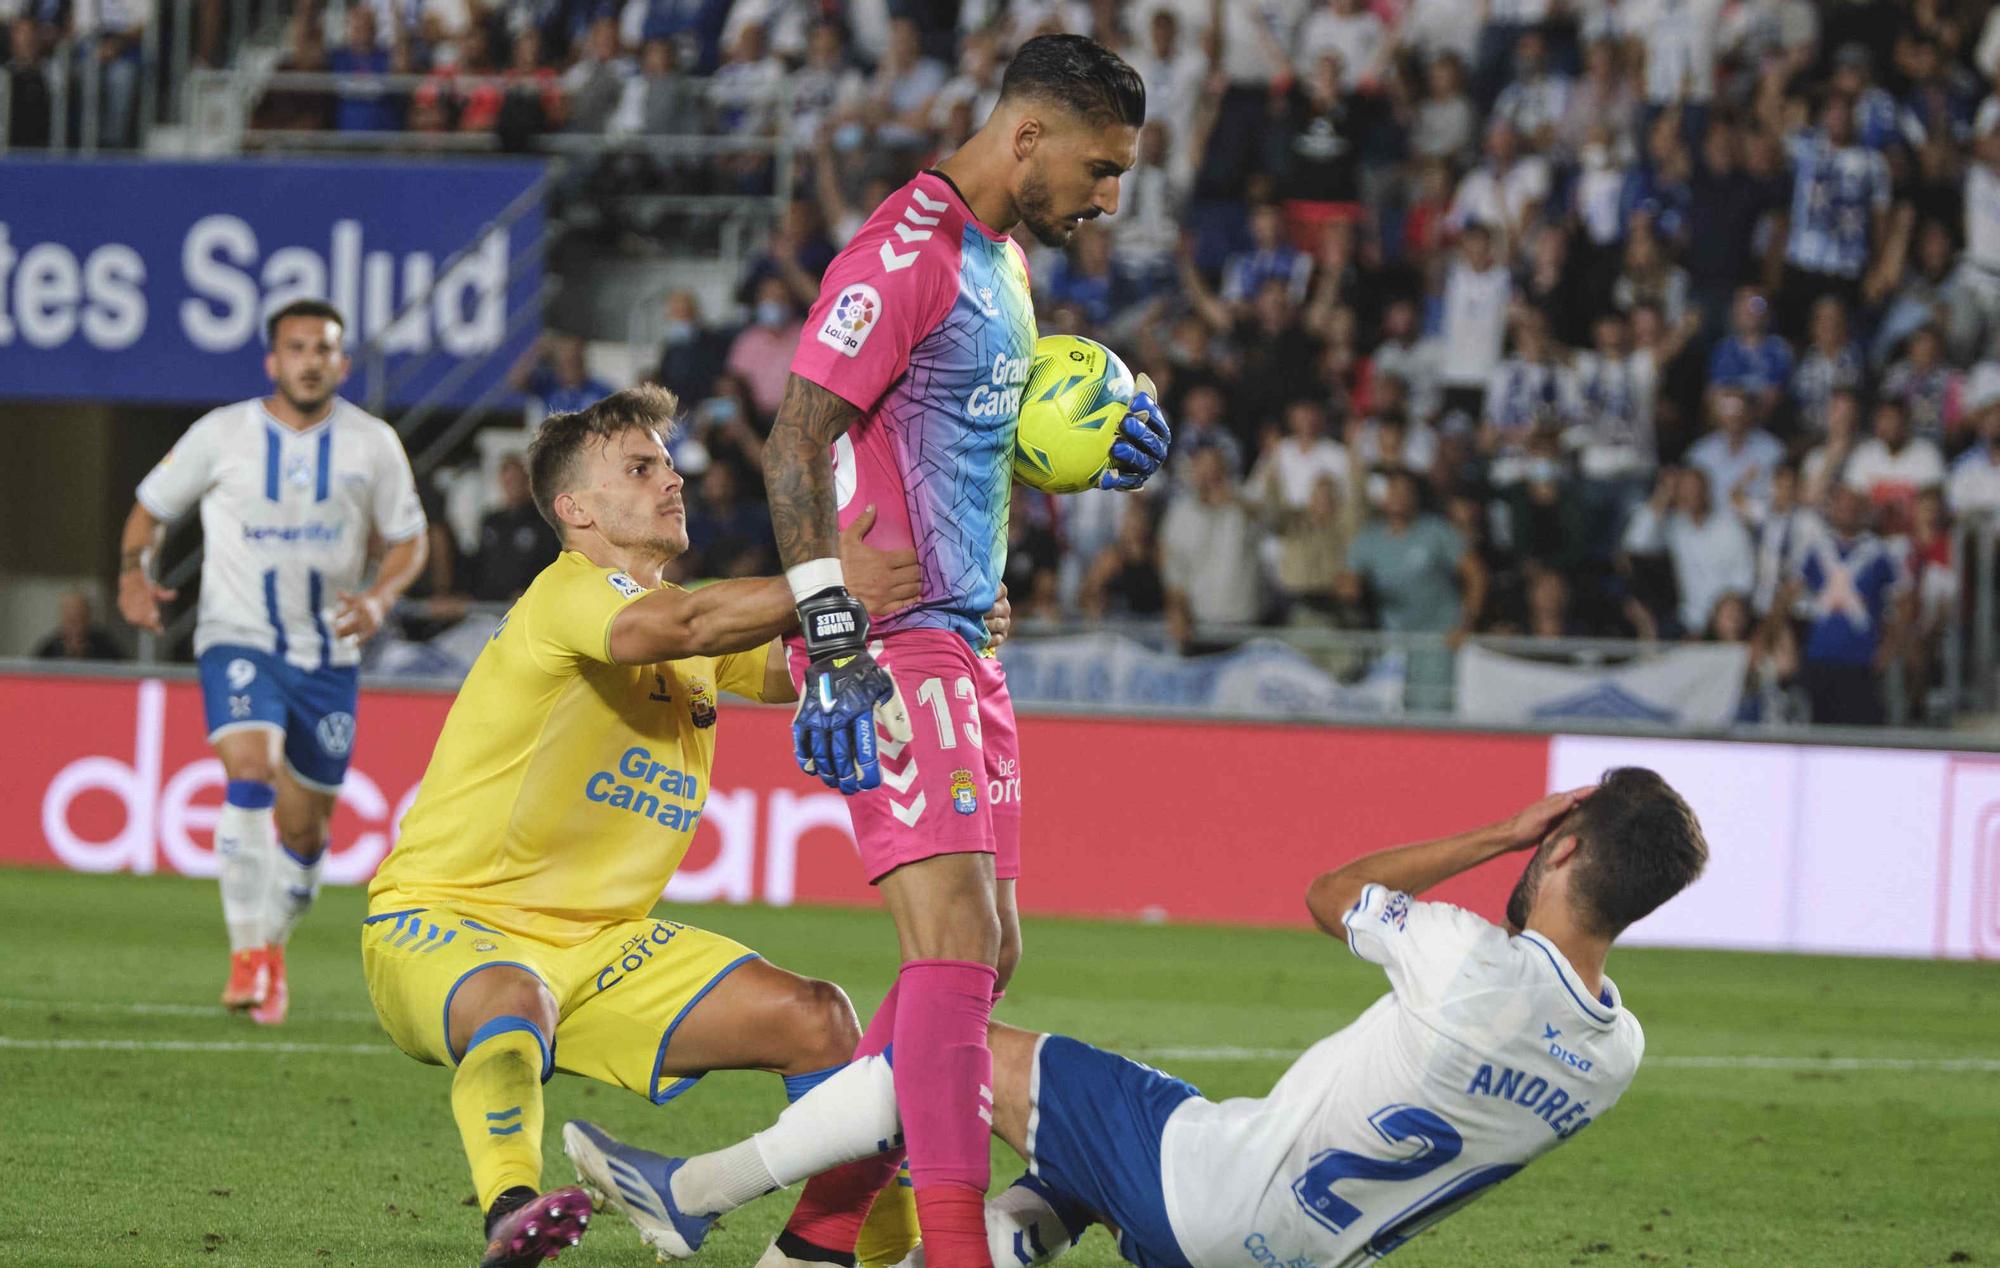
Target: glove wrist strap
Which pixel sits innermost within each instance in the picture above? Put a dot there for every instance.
(814, 575)
(834, 623)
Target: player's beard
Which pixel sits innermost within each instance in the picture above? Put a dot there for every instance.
(1523, 898)
(1038, 211)
(304, 404)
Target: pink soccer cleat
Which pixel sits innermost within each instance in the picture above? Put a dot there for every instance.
(248, 980)
(276, 1001)
(538, 1230)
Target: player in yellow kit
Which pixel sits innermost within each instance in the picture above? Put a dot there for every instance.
(508, 933)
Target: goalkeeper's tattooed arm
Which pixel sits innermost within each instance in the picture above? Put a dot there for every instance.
(798, 471)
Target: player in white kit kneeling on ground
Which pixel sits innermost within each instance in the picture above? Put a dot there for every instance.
(1493, 1046)
(292, 488)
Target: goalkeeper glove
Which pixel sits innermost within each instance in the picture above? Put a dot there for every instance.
(834, 731)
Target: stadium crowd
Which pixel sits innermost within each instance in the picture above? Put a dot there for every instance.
(1658, 319)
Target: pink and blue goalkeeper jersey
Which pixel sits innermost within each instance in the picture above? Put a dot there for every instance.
(924, 324)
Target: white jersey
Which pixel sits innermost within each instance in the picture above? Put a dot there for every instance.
(1487, 1053)
(286, 518)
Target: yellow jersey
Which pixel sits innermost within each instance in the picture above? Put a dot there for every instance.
(564, 789)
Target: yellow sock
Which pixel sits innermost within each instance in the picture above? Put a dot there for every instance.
(890, 1232)
(496, 1097)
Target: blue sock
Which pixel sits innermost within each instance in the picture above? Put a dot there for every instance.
(797, 1085)
(250, 794)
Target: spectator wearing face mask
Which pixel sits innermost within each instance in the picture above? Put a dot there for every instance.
(554, 373)
(762, 352)
(689, 351)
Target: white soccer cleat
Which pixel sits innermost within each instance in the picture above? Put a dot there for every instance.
(775, 1258)
(639, 1184)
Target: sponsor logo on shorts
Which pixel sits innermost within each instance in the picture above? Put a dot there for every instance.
(636, 952)
(1397, 911)
(1261, 1253)
(701, 703)
(241, 673)
(335, 733)
(239, 708)
(852, 319)
(964, 793)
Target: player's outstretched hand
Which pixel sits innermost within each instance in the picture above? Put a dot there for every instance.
(139, 599)
(358, 616)
(884, 580)
(1525, 830)
(1142, 444)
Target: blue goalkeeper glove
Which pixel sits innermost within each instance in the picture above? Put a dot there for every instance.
(834, 730)
(1141, 448)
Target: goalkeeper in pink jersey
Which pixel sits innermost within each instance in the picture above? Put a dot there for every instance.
(904, 396)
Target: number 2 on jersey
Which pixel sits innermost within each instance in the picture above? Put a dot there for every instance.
(1438, 1144)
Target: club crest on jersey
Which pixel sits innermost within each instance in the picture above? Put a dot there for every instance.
(624, 585)
(852, 319)
(701, 705)
(964, 793)
(298, 471)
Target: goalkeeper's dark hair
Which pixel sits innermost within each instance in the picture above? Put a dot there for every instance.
(1639, 844)
(318, 309)
(553, 452)
(1078, 74)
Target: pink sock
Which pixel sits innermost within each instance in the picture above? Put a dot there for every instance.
(944, 1084)
(835, 1203)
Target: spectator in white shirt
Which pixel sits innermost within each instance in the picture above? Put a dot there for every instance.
(1443, 124)
(1172, 67)
(1406, 356)
(1974, 484)
(1478, 291)
(1208, 551)
(1974, 291)
(1709, 550)
(1738, 457)
(1892, 467)
(1294, 462)
(1346, 28)
(1503, 193)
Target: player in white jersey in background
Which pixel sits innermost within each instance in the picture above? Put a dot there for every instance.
(294, 488)
(1493, 1046)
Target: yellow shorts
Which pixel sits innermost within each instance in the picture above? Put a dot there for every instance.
(619, 995)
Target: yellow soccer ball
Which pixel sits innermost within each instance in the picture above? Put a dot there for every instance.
(1078, 392)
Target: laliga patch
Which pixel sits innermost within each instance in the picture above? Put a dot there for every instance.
(964, 793)
(624, 585)
(853, 317)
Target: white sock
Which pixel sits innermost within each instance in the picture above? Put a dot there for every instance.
(245, 842)
(849, 1117)
(292, 888)
(1023, 1229)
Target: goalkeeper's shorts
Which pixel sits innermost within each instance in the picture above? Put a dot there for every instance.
(955, 787)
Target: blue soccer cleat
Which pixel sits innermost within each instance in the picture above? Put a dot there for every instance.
(638, 1183)
(538, 1230)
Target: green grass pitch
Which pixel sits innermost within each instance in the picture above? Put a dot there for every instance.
(128, 1137)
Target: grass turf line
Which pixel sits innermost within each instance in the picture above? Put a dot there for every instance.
(175, 1157)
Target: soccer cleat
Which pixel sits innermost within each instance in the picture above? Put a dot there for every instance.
(271, 1009)
(249, 979)
(638, 1183)
(538, 1230)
